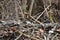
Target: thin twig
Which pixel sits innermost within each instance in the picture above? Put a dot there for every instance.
(18, 37)
(45, 7)
(27, 35)
(35, 20)
(17, 17)
(42, 12)
(31, 6)
(21, 10)
(24, 2)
